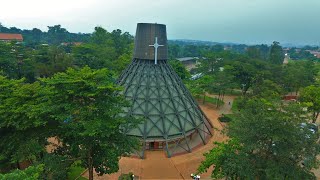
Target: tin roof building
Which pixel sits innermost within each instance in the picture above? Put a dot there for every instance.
(10, 37)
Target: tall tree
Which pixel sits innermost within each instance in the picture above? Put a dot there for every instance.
(297, 74)
(264, 51)
(57, 34)
(87, 105)
(180, 69)
(244, 74)
(311, 96)
(211, 62)
(253, 52)
(200, 87)
(24, 121)
(174, 50)
(122, 41)
(222, 82)
(100, 36)
(8, 61)
(276, 53)
(267, 142)
(267, 89)
(50, 60)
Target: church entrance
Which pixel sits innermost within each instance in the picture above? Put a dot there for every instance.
(155, 145)
(152, 145)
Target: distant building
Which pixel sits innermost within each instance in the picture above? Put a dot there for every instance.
(315, 53)
(290, 97)
(286, 50)
(189, 62)
(7, 37)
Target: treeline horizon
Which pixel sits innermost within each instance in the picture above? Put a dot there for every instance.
(37, 35)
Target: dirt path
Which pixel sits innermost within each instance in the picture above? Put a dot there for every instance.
(157, 166)
(226, 107)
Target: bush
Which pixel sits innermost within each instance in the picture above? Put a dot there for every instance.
(225, 118)
(31, 173)
(238, 104)
(126, 176)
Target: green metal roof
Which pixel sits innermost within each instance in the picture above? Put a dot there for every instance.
(158, 95)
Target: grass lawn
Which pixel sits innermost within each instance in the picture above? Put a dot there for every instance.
(213, 100)
(234, 92)
(75, 171)
(234, 107)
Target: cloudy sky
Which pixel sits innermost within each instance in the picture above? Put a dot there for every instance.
(240, 21)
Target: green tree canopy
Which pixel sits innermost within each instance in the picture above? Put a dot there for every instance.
(267, 142)
(276, 53)
(180, 69)
(87, 104)
(297, 75)
(311, 96)
(57, 34)
(31, 173)
(23, 120)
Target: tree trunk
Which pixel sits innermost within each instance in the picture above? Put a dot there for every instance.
(91, 173)
(90, 166)
(222, 98)
(223, 95)
(315, 116)
(217, 104)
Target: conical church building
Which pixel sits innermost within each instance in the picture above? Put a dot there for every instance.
(173, 120)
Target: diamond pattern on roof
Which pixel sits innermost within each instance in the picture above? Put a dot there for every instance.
(158, 94)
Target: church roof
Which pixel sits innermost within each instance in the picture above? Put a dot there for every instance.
(159, 96)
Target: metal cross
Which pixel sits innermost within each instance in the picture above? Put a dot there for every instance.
(156, 45)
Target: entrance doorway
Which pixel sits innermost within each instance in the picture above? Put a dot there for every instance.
(152, 145)
(155, 145)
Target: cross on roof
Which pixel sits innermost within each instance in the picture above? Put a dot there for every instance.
(156, 45)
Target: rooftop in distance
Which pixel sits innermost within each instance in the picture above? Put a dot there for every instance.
(10, 37)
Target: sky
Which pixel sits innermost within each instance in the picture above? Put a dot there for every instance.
(238, 21)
